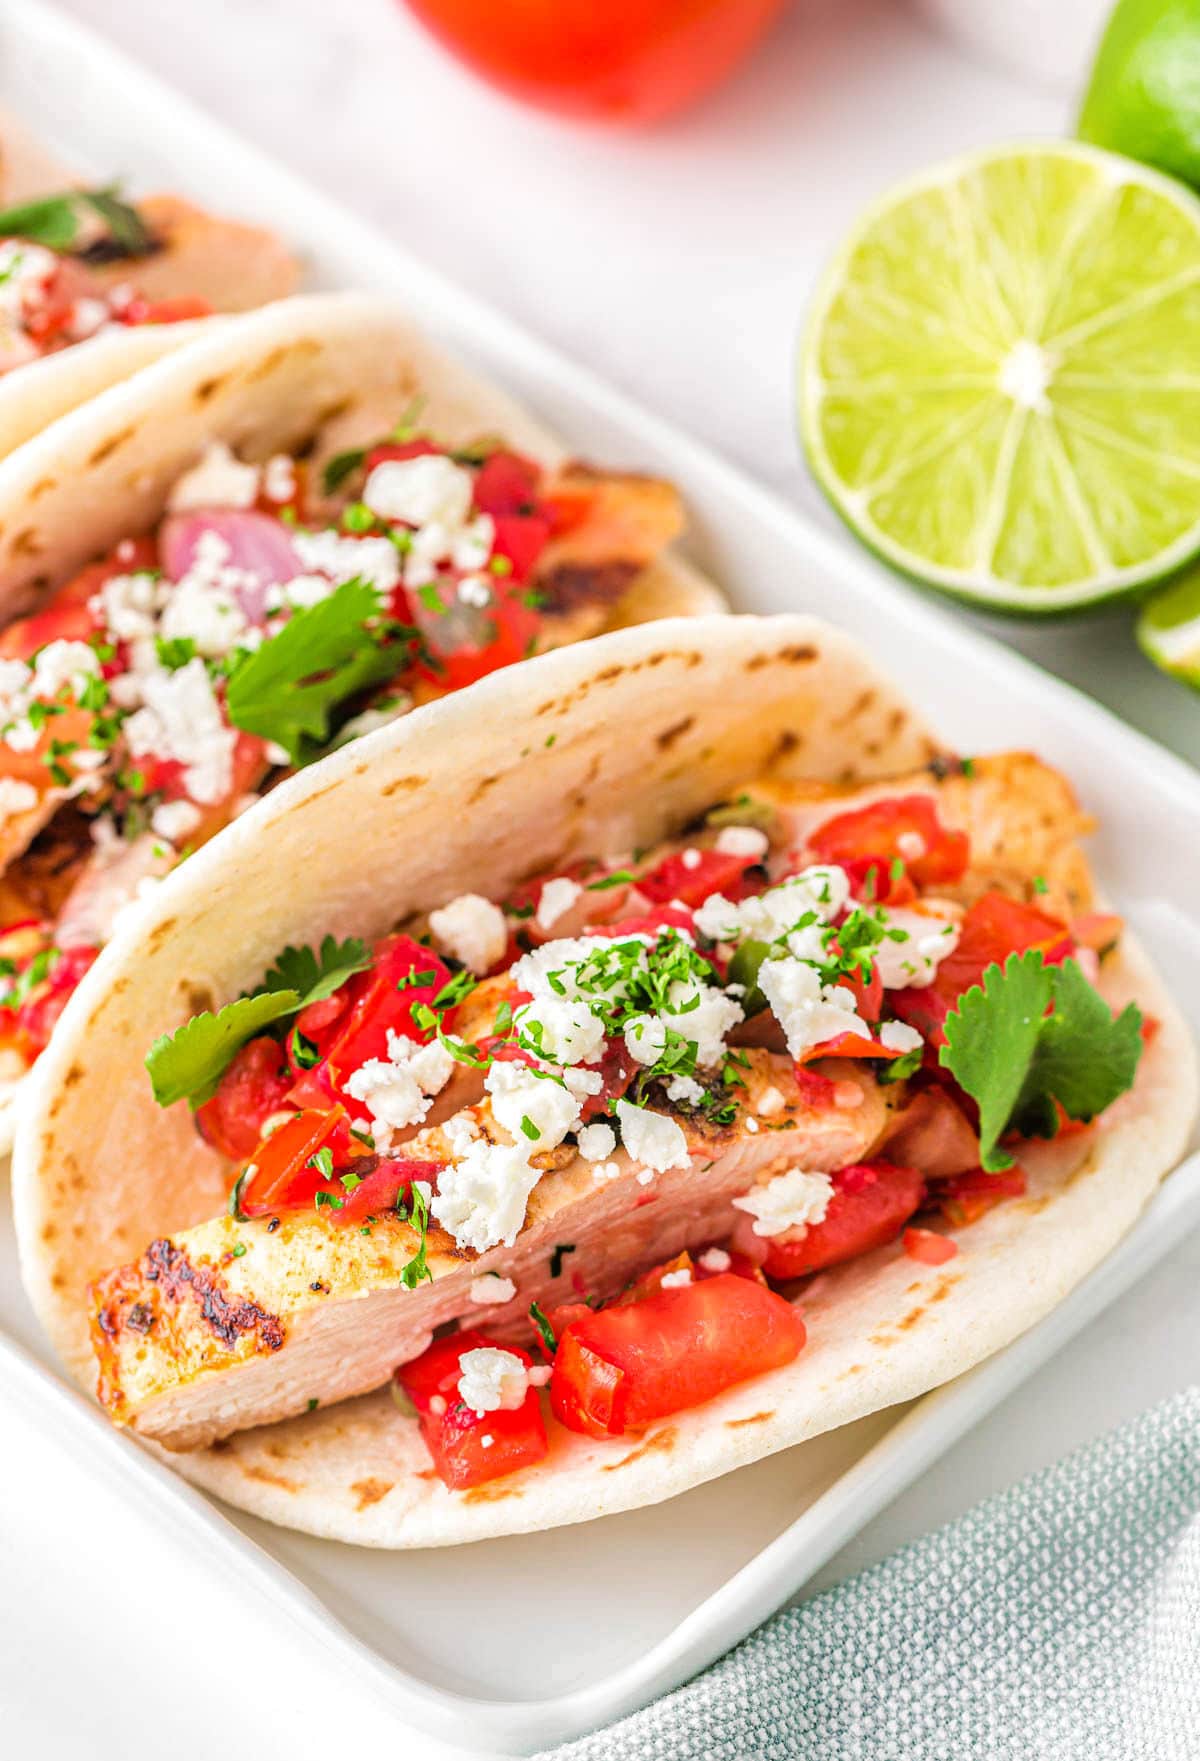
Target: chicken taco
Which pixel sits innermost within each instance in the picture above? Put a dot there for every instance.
(292, 530)
(128, 278)
(639, 1064)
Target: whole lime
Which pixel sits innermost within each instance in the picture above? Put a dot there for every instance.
(1144, 95)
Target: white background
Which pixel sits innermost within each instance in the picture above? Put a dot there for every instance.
(678, 264)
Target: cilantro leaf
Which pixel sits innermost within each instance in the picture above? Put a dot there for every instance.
(315, 976)
(287, 689)
(55, 221)
(339, 467)
(189, 1063)
(1018, 1061)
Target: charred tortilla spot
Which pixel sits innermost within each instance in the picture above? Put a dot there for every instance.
(269, 363)
(799, 654)
(481, 788)
(199, 999)
(403, 786)
(753, 1418)
(228, 1319)
(140, 1318)
(252, 1471)
(491, 1493)
(608, 674)
(43, 487)
(676, 731)
(658, 1443)
(108, 447)
(911, 1318)
(370, 1491)
(27, 543)
(159, 934)
(859, 707)
(73, 1076)
(208, 389)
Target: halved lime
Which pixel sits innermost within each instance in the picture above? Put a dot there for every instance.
(1169, 628)
(1000, 383)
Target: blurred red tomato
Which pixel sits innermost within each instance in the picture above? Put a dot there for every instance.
(622, 60)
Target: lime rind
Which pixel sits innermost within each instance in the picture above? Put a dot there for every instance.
(1168, 629)
(987, 422)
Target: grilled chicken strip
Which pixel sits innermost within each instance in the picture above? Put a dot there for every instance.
(195, 1343)
(1021, 816)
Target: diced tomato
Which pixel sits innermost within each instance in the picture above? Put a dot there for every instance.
(928, 1247)
(715, 871)
(667, 917)
(849, 1045)
(816, 1090)
(967, 1197)
(596, 905)
(38, 1015)
(617, 1070)
(389, 1180)
(283, 1176)
(254, 1086)
(453, 1433)
(620, 1369)
(1098, 930)
(994, 927)
(380, 1000)
(465, 644)
(868, 994)
(399, 449)
(172, 311)
(67, 617)
(871, 1203)
(900, 826)
(561, 1318)
(507, 485)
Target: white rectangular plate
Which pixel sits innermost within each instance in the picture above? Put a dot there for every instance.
(710, 1565)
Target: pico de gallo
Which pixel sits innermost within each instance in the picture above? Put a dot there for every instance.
(603, 1131)
(277, 611)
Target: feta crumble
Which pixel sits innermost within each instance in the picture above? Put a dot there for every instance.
(490, 1288)
(653, 1139)
(791, 1200)
(743, 840)
(556, 899)
(677, 1280)
(808, 1011)
(769, 916)
(471, 929)
(715, 1259)
(481, 1197)
(898, 1036)
(596, 1141)
(181, 719)
(397, 1090)
(16, 797)
(914, 944)
(174, 820)
(520, 1097)
(492, 1380)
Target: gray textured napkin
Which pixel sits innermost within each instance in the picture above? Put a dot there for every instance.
(1058, 1620)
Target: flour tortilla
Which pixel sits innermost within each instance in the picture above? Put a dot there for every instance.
(651, 725)
(322, 373)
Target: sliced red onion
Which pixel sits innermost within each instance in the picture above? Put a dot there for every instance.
(259, 545)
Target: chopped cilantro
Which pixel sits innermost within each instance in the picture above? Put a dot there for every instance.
(322, 1161)
(57, 222)
(529, 1128)
(418, 1217)
(617, 879)
(340, 466)
(542, 1322)
(174, 651)
(1021, 1064)
(234, 1205)
(288, 688)
(237, 1250)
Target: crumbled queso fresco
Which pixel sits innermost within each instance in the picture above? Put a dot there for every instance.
(658, 998)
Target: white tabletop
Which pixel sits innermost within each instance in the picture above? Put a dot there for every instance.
(676, 263)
